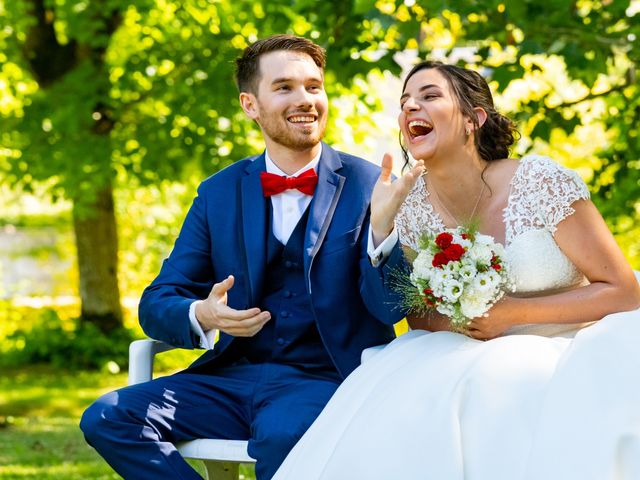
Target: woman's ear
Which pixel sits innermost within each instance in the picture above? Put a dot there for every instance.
(481, 115)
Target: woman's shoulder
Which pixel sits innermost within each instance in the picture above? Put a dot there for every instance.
(542, 166)
(543, 191)
(544, 175)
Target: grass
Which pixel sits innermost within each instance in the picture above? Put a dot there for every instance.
(40, 409)
(39, 434)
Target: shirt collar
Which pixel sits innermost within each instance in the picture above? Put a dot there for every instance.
(273, 168)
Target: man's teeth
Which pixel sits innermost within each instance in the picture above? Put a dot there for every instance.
(419, 127)
(305, 119)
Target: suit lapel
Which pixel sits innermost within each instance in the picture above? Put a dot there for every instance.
(323, 204)
(254, 226)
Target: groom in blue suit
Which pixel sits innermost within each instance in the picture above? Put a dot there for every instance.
(276, 255)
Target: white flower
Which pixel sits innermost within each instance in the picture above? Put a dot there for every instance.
(446, 309)
(466, 244)
(437, 285)
(484, 283)
(484, 240)
(472, 306)
(422, 266)
(481, 253)
(452, 290)
(467, 271)
(494, 278)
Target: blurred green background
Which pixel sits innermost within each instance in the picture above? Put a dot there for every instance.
(112, 111)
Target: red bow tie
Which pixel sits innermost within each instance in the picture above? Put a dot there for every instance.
(274, 184)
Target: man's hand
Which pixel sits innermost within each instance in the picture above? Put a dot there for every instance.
(214, 313)
(388, 195)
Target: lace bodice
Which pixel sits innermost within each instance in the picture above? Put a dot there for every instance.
(541, 196)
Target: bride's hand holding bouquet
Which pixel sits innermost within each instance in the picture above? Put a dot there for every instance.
(460, 274)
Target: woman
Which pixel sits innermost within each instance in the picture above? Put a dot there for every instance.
(546, 397)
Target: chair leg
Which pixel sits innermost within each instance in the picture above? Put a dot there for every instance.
(221, 470)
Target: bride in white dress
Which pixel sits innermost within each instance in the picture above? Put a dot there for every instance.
(555, 392)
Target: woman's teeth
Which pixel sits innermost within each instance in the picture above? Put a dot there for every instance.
(419, 127)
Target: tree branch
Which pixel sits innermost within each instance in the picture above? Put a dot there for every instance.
(591, 96)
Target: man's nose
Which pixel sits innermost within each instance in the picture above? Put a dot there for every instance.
(303, 98)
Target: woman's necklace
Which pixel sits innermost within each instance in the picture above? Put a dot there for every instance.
(446, 210)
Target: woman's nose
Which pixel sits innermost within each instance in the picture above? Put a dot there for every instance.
(410, 105)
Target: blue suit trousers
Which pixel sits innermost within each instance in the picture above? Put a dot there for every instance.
(271, 405)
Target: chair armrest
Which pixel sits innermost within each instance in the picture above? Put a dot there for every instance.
(141, 356)
(368, 353)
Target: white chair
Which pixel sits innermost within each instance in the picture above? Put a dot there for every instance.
(221, 458)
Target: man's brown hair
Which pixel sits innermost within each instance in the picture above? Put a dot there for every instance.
(248, 64)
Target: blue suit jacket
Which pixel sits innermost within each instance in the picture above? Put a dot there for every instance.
(223, 234)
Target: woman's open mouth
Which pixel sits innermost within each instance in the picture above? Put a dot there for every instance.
(418, 129)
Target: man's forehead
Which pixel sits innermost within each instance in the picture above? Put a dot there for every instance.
(281, 58)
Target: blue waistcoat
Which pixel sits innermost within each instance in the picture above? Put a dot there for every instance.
(291, 336)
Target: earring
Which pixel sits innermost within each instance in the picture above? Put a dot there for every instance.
(467, 131)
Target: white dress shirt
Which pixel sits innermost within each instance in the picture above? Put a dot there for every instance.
(288, 208)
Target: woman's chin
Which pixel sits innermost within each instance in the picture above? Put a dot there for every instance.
(420, 151)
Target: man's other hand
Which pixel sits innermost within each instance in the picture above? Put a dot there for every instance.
(215, 313)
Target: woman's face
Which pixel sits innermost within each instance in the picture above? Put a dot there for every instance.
(430, 120)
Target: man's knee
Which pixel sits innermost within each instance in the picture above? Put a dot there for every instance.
(97, 419)
(275, 446)
(271, 451)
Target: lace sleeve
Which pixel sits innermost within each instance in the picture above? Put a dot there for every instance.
(416, 217)
(542, 195)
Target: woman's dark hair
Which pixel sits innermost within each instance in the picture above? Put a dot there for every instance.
(494, 137)
(248, 64)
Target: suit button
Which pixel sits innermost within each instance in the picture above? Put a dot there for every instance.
(284, 314)
(287, 294)
(280, 341)
(288, 264)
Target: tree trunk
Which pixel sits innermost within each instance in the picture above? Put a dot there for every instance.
(97, 244)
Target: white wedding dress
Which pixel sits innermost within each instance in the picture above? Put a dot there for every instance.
(540, 403)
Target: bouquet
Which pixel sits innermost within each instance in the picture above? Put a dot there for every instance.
(459, 273)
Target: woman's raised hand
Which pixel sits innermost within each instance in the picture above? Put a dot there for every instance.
(388, 195)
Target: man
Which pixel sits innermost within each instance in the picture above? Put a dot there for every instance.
(273, 255)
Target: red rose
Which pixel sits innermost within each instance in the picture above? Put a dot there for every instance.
(444, 240)
(454, 252)
(497, 267)
(439, 259)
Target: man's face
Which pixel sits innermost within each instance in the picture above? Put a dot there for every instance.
(290, 104)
